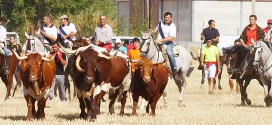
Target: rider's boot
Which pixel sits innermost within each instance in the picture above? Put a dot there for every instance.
(6, 68)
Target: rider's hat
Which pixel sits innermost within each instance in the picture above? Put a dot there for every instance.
(64, 17)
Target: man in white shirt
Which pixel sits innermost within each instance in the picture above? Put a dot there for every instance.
(67, 31)
(48, 32)
(3, 33)
(103, 33)
(166, 33)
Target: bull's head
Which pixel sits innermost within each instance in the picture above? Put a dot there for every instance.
(32, 62)
(146, 67)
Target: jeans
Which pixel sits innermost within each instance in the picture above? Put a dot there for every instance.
(171, 55)
(6, 51)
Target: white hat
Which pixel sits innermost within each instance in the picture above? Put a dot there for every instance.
(118, 40)
(64, 16)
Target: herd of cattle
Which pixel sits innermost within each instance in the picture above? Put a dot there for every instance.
(95, 72)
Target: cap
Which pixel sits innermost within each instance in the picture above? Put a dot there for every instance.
(269, 21)
(118, 40)
(64, 16)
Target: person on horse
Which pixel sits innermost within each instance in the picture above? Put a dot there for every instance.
(103, 34)
(210, 61)
(3, 33)
(267, 29)
(167, 33)
(67, 31)
(251, 32)
(47, 32)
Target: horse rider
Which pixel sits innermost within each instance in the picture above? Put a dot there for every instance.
(251, 32)
(210, 61)
(3, 33)
(67, 31)
(103, 34)
(48, 32)
(167, 33)
(118, 46)
(266, 30)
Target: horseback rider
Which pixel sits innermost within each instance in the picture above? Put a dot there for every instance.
(67, 31)
(167, 33)
(3, 33)
(251, 32)
(267, 29)
(48, 32)
(103, 33)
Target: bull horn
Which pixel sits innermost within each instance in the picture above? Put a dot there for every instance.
(19, 57)
(66, 50)
(49, 60)
(104, 56)
(77, 64)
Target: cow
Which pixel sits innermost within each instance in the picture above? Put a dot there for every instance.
(150, 80)
(37, 73)
(95, 73)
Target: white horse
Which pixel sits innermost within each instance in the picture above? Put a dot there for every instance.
(182, 55)
(263, 66)
(36, 45)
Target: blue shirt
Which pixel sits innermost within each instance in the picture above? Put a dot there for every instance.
(122, 48)
(210, 33)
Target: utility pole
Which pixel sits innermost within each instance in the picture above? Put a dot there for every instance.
(253, 2)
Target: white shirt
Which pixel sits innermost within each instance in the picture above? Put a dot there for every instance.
(168, 30)
(70, 27)
(50, 30)
(3, 33)
(104, 35)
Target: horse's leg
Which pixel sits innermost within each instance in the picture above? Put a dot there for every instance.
(8, 85)
(266, 98)
(240, 81)
(181, 83)
(135, 104)
(248, 101)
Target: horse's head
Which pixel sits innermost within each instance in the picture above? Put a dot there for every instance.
(261, 49)
(147, 40)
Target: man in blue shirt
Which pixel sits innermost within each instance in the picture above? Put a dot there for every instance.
(118, 46)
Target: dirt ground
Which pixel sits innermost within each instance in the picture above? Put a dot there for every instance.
(200, 108)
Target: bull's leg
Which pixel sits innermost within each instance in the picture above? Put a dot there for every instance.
(82, 106)
(153, 104)
(31, 107)
(112, 95)
(40, 112)
(8, 85)
(123, 102)
(135, 104)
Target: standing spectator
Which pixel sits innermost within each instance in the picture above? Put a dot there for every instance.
(266, 30)
(251, 32)
(67, 31)
(60, 60)
(48, 32)
(118, 46)
(167, 33)
(134, 56)
(210, 60)
(103, 33)
(3, 33)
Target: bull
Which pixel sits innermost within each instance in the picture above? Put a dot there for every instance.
(37, 73)
(150, 80)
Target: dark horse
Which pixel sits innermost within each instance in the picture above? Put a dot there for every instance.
(243, 70)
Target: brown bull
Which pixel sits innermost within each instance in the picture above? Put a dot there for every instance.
(95, 75)
(37, 74)
(150, 81)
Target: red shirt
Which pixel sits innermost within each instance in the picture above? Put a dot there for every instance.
(266, 29)
(251, 34)
(129, 46)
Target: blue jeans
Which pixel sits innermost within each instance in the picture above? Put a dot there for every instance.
(171, 55)
(6, 51)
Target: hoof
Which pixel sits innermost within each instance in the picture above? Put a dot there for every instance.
(180, 104)
(248, 101)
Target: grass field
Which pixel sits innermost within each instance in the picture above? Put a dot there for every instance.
(200, 108)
